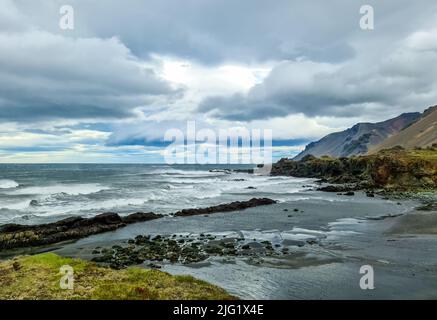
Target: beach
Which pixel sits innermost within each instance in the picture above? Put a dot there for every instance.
(344, 240)
(317, 241)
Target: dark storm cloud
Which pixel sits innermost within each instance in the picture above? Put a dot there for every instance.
(329, 66)
(49, 76)
(216, 30)
(393, 72)
(320, 90)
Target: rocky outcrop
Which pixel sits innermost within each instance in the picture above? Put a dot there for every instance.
(19, 236)
(185, 249)
(233, 206)
(16, 236)
(396, 169)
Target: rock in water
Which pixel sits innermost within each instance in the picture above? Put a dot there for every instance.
(233, 206)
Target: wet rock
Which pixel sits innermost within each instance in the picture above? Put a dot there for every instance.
(334, 188)
(33, 203)
(15, 236)
(429, 206)
(140, 217)
(233, 206)
(170, 249)
(297, 243)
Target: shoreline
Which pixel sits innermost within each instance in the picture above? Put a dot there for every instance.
(333, 242)
(14, 236)
(326, 247)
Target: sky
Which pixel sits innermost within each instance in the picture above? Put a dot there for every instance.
(108, 89)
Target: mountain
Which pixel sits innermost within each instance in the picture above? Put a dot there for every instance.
(422, 133)
(359, 139)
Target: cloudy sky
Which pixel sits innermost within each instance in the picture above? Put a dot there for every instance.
(108, 90)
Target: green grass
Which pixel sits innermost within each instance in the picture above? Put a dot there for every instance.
(38, 277)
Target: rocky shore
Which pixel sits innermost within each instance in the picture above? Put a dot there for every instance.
(183, 249)
(394, 169)
(20, 236)
(228, 207)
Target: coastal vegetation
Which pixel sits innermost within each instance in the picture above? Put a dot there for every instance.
(394, 169)
(39, 276)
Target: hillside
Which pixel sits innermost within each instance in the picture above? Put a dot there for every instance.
(422, 133)
(358, 139)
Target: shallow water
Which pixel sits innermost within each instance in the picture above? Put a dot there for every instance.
(329, 269)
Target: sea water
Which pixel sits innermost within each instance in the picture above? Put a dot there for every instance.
(38, 193)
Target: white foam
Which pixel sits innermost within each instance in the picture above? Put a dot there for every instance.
(344, 222)
(21, 205)
(70, 189)
(8, 184)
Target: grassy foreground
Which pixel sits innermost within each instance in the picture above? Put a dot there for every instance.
(38, 277)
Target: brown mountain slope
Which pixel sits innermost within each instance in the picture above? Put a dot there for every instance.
(358, 139)
(422, 133)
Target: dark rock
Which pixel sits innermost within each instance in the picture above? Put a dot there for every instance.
(233, 206)
(15, 236)
(33, 203)
(349, 193)
(430, 206)
(140, 217)
(18, 236)
(334, 188)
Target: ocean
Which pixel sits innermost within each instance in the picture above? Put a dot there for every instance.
(39, 193)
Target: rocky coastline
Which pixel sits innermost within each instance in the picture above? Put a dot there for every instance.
(396, 169)
(183, 249)
(21, 236)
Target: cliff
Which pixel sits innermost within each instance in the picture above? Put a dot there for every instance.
(395, 168)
